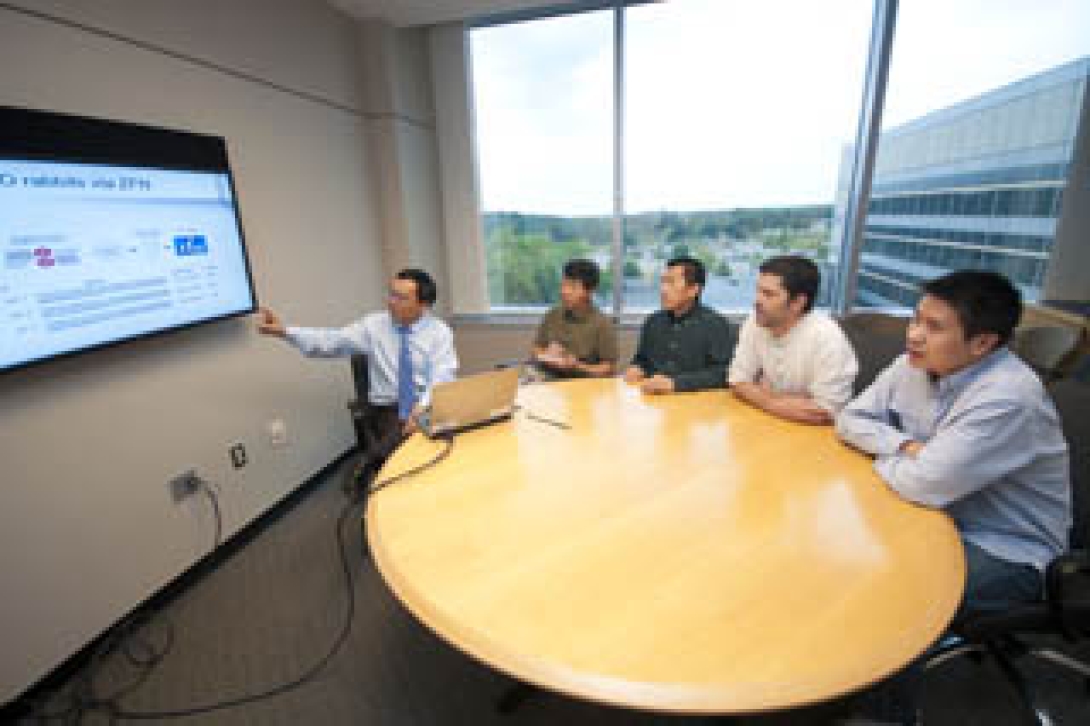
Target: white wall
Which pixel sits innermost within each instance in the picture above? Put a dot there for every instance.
(87, 444)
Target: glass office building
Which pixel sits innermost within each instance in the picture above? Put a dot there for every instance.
(979, 184)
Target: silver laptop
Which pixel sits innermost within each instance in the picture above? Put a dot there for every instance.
(471, 402)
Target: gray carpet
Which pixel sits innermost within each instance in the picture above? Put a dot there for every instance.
(269, 611)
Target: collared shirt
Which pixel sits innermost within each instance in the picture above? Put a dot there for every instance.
(994, 456)
(588, 335)
(813, 358)
(431, 345)
(693, 349)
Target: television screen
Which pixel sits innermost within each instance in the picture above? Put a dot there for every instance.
(112, 231)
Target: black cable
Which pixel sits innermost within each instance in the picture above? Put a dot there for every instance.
(214, 500)
(541, 419)
(447, 439)
(144, 663)
(318, 666)
(39, 714)
(84, 701)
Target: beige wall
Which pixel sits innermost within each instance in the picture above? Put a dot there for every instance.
(398, 94)
(461, 222)
(245, 36)
(87, 526)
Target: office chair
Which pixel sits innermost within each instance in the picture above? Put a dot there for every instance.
(878, 339)
(883, 323)
(1080, 369)
(1047, 349)
(362, 413)
(1065, 610)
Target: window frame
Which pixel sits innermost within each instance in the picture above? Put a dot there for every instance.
(850, 243)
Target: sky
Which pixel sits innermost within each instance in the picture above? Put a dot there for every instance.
(730, 103)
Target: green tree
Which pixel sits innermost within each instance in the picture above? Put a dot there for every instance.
(605, 287)
(525, 269)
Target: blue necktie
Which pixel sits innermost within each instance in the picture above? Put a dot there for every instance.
(405, 397)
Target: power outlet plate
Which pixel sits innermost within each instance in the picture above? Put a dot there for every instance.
(238, 456)
(184, 485)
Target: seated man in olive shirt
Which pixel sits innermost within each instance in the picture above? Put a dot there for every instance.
(685, 346)
(574, 339)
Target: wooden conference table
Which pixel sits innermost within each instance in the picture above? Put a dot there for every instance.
(680, 553)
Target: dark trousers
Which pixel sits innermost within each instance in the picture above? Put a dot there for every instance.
(381, 434)
(994, 585)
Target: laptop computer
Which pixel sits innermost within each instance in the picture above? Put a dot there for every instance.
(471, 402)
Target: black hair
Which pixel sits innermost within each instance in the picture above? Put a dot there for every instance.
(985, 302)
(694, 270)
(426, 291)
(583, 271)
(798, 275)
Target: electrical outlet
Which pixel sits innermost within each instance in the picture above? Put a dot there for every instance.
(184, 485)
(238, 456)
(278, 433)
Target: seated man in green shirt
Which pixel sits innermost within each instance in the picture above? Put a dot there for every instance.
(574, 339)
(685, 346)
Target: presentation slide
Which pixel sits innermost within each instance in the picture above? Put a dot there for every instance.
(93, 254)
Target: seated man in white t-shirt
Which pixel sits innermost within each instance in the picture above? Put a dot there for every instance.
(791, 362)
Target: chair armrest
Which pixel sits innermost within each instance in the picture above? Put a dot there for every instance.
(1067, 590)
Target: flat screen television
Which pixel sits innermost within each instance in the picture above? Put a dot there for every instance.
(112, 231)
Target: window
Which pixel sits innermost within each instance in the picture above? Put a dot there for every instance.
(994, 136)
(728, 133)
(735, 116)
(544, 116)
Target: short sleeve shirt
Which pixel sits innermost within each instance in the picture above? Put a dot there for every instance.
(589, 336)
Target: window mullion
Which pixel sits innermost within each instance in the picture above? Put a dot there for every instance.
(865, 152)
(617, 248)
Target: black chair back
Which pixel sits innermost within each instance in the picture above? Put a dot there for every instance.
(1072, 398)
(360, 408)
(877, 339)
(1080, 370)
(361, 378)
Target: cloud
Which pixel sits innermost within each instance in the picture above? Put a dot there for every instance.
(729, 104)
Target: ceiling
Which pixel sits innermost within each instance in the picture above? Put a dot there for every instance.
(406, 13)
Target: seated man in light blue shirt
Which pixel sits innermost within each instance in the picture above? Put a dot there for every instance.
(962, 424)
(408, 351)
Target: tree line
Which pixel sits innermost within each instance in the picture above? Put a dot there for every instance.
(525, 252)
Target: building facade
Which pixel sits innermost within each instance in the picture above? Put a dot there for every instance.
(979, 185)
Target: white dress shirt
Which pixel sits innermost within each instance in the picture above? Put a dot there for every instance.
(813, 358)
(431, 345)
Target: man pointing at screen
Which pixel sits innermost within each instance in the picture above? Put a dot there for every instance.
(408, 351)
